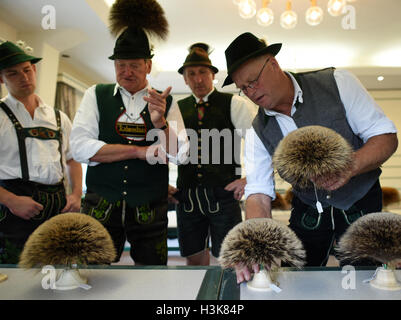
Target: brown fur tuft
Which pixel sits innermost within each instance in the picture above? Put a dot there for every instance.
(68, 238)
(289, 195)
(390, 196)
(142, 14)
(376, 236)
(310, 152)
(280, 203)
(261, 241)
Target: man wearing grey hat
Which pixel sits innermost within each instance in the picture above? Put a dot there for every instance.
(114, 132)
(34, 155)
(287, 101)
(210, 186)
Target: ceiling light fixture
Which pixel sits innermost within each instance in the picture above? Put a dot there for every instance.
(314, 15)
(289, 18)
(336, 7)
(265, 15)
(247, 8)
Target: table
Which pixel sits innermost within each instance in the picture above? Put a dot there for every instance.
(118, 283)
(328, 283)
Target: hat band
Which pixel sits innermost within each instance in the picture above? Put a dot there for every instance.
(11, 55)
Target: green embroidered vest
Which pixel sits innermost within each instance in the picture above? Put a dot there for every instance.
(134, 180)
(217, 117)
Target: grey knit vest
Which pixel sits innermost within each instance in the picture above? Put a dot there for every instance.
(321, 106)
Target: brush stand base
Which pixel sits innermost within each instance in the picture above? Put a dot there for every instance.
(70, 279)
(261, 281)
(385, 280)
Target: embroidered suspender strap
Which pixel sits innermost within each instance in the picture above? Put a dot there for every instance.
(36, 132)
(60, 138)
(21, 141)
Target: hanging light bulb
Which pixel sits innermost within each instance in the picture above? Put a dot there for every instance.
(265, 15)
(288, 18)
(314, 15)
(335, 7)
(247, 8)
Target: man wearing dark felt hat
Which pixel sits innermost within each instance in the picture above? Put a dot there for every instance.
(331, 98)
(34, 155)
(125, 131)
(209, 191)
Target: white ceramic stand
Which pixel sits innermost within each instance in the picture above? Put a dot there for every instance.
(385, 280)
(70, 279)
(261, 281)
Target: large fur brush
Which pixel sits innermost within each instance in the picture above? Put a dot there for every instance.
(261, 241)
(142, 14)
(376, 236)
(66, 239)
(310, 152)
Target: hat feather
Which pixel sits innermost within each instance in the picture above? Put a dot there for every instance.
(142, 14)
(200, 45)
(310, 152)
(261, 241)
(376, 236)
(66, 239)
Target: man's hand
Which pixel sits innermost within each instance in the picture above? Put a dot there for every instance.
(73, 203)
(24, 207)
(243, 273)
(171, 192)
(237, 186)
(336, 180)
(157, 106)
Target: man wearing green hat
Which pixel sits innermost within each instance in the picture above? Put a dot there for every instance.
(209, 189)
(287, 101)
(114, 132)
(34, 153)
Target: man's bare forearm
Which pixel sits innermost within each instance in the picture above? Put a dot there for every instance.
(258, 206)
(375, 152)
(118, 152)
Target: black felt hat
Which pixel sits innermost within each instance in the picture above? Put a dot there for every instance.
(132, 44)
(243, 48)
(11, 54)
(133, 22)
(198, 56)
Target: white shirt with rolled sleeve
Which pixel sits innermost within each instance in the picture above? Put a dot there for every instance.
(84, 138)
(364, 116)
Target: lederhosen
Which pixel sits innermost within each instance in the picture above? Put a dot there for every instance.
(206, 210)
(14, 230)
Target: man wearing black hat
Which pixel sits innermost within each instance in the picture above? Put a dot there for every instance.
(34, 152)
(331, 98)
(114, 132)
(209, 190)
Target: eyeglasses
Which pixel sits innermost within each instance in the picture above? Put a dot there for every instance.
(252, 84)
